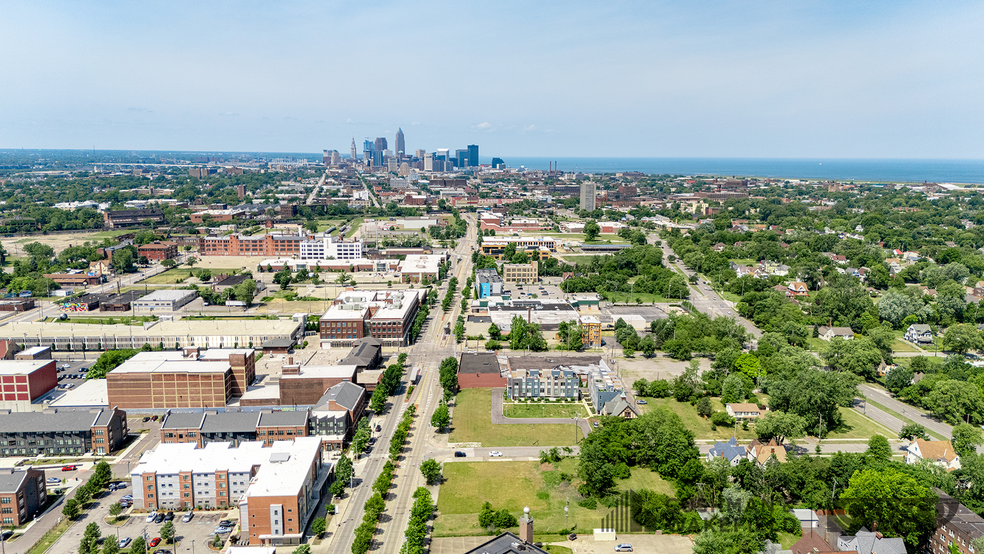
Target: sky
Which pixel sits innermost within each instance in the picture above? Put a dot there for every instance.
(786, 79)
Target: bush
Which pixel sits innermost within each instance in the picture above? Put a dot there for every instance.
(722, 419)
(588, 503)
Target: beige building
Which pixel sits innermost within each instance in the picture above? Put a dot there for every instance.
(520, 273)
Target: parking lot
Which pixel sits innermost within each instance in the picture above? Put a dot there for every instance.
(72, 373)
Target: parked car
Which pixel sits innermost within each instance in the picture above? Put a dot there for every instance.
(624, 547)
(596, 424)
(572, 537)
(169, 516)
(227, 523)
(187, 517)
(151, 517)
(154, 542)
(162, 551)
(222, 530)
(126, 503)
(146, 418)
(120, 486)
(641, 401)
(127, 497)
(70, 468)
(124, 542)
(459, 454)
(159, 518)
(495, 454)
(53, 480)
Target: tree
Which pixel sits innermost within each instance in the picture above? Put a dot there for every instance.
(124, 259)
(733, 541)
(110, 547)
(591, 230)
(302, 549)
(139, 545)
(318, 526)
(192, 261)
(83, 494)
(898, 378)
(246, 292)
(431, 470)
(896, 306)
(168, 263)
(954, 401)
(966, 439)
(898, 503)
(780, 426)
(858, 356)
(441, 418)
(704, 408)
(494, 332)
(879, 449)
(167, 532)
(71, 509)
(912, 431)
(749, 364)
(733, 389)
(116, 509)
(962, 338)
(814, 395)
(101, 475)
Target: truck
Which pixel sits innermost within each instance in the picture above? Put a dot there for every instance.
(415, 375)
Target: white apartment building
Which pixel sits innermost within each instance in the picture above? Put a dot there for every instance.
(326, 248)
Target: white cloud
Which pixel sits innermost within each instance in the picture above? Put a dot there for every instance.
(484, 125)
(530, 127)
(228, 114)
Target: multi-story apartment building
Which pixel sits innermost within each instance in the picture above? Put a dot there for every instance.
(386, 315)
(158, 250)
(61, 431)
(956, 525)
(329, 248)
(276, 488)
(234, 427)
(336, 414)
(184, 379)
(590, 331)
(520, 273)
(488, 283)
(268, 245)
(22, 495)
(549, 384)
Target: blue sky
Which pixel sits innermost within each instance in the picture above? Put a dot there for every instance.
(648, 79)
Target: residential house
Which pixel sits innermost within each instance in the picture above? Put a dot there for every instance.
(919, 333)
(730, 451)
(718, 247)
(811, 543)
(762, 453)
(799, 288)
(940, 453)
(870, 542)
(828, 333)
(743, 411)
(620, 407)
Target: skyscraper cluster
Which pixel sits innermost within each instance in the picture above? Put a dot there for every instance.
(376, 153)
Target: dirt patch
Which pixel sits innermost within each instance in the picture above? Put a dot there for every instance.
(657, 367)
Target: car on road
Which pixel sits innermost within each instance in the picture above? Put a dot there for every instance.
(53, 480)
(124, 542)
(641, 401)
(187, 517)
(624, 547)
(70, 468)
(495, 454)
(151, 517)
(154, 542)
(162, 551)
(460, 454)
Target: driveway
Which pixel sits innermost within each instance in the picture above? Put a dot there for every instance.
(499, 419)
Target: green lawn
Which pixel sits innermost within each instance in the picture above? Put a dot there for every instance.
(545, 409)
(857, 426)
(545, 490)
(83, 320)
(900, 346)
(700, 426)
(472, 422)
(582, 259)
(355, 223)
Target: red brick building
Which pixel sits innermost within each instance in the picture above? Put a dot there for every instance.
(158, 251)
(26, 380)
(479, 371)
(270, 245)
(22, 495)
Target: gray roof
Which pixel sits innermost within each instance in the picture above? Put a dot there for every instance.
(11, 479)
(230, 422)
(363, 352)
(506, 543)
(479, 362)
(727, 450)
(233, 280)
(869, 543)
(283, 419)
(345, 394)
(279, 343)
(617, 406)
(49, 421)
(182, 420)
(921, 328)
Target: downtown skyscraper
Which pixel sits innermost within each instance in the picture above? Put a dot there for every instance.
(400, 145)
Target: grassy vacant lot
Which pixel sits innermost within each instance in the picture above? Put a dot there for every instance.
(473, 423)
(582, 259)
(857, 426)
(179, 274)
(633, 298)
(545, 409)
(544, 489)
(355, 224)
(699, 425)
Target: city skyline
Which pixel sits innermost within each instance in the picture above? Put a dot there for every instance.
(631, 80)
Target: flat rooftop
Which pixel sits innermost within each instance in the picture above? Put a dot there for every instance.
(324, 371)
(21, 367)
(168, 362)
(167, 295)
(181, 328)
(92, 393)
(479, 362)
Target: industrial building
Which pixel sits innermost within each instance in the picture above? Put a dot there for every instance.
(163, 301)
(25, 380)
(480, 370)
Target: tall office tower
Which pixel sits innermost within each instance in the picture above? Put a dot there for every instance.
(419, 153)
(355, 154)
(401, 145)
(336, 158)
(428, 162)
(380, 143)
(326, 157)
(497, 163)
(588, 195)
(461, 158)
(367, 147)
(473, 155)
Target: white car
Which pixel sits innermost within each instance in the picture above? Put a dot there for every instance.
(151, 516)
(624, 547)
(495, 454)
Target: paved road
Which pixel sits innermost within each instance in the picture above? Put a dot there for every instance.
(317, 189)
(499, 419)
(885, 399)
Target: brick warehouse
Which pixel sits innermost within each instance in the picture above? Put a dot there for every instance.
(480, 371)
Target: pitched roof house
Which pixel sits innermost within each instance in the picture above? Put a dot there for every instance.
(939, 453)
(730, 451)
